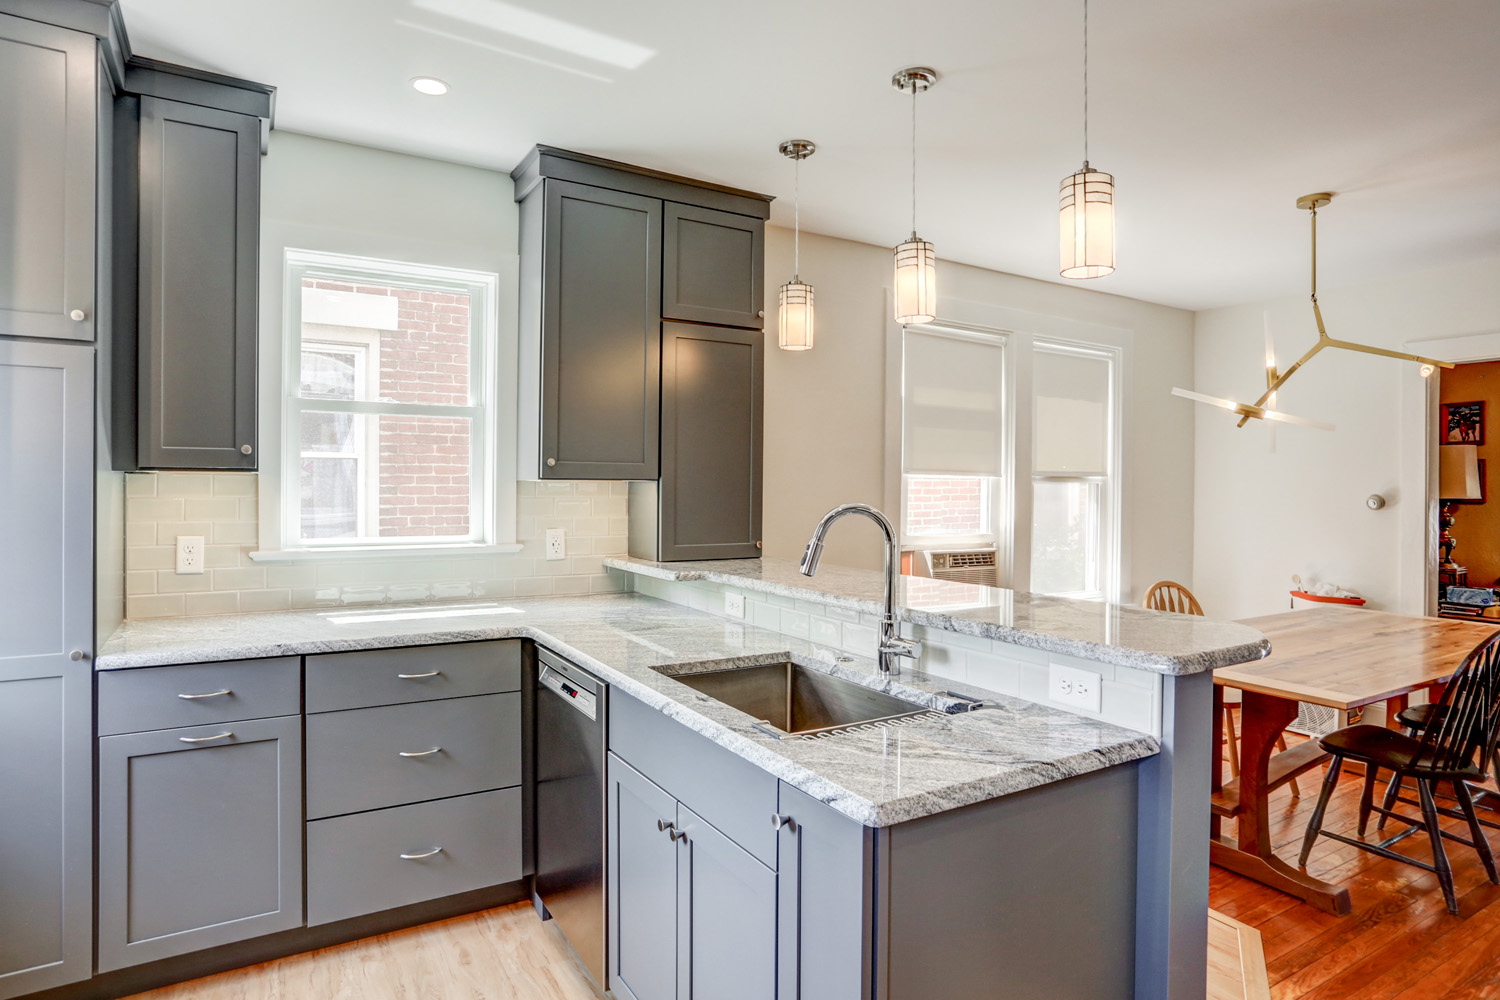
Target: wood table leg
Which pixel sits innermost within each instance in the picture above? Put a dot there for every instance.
(1262, 719)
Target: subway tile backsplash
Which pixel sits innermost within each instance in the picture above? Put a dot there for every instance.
(1130, 697)
(221, 507)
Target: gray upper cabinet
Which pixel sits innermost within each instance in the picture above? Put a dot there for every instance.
(711, 452)
(713, 268)
(199, 226)
(48, 76)
(46, 620)
(200, 838)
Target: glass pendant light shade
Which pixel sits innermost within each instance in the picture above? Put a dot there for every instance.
(916, 282)
(1086, 224)
(796, 332)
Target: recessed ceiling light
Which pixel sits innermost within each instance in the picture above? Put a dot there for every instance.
(429, 85)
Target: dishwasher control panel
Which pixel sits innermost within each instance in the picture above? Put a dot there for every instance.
(581, 699)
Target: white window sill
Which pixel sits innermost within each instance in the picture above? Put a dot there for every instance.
(335, 554)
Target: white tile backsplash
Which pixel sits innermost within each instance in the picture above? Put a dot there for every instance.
(222, 507)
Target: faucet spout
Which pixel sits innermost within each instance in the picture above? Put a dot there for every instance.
(892, 646)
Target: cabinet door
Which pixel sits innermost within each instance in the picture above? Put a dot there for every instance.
(643, 877)
(713, 267)
(200, 843)
(726, 921)
(199, 240)
(46, 702)
(47, 132)
(825, 924)
(601, 334)
(712, 392)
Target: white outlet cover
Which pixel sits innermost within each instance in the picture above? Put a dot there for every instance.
(734, 604)
(557, 545)
(1071, 686)
(189, 554)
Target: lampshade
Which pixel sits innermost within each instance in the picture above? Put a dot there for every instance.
(796, 331)
(1458, 472)
(1086, 224)
(916, 282)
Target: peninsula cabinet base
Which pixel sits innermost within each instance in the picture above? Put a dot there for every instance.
(139, 978)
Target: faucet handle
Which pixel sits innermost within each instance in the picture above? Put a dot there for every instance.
(897, 646)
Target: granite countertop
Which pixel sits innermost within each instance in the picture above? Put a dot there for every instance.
(1121, 634)
(878, 777)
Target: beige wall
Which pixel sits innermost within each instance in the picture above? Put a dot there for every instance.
(825, 408)
(1262, 514)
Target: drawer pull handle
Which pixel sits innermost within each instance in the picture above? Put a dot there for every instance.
(226, 734)
(211, 694)
(421, 753)
(423, 854)
(778, 821)
(417, 677)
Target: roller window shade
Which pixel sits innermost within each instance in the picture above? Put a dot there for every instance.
(1070, 422)
(951, 406)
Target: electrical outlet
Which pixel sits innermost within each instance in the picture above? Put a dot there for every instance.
(734, 604)
(557, 544)
(189, 553)
(1071, 686)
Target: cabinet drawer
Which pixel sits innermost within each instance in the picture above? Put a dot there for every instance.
(355, 863)
(337, 681)
(725, 790)
(198, 694)
(355, 762)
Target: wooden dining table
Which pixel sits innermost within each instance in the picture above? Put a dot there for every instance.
(1342, 657)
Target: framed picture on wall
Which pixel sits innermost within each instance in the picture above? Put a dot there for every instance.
(1484, 487)
(1463, 423)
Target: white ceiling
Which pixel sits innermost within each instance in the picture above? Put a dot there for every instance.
(1213, 117)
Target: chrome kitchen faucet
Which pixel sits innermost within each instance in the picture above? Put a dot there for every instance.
(891, 644)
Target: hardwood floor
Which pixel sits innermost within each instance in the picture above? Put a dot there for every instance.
(1400, 943)
(501, 954)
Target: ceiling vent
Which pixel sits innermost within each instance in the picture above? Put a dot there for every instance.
(964, 566)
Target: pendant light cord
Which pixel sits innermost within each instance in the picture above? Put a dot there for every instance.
(914, 159)
(797, 220)
(1085, 83)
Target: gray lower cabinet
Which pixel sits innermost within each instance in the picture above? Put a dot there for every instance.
(713, 267)
(643, 890)
(46, 664)
(199, 233)
(200, 838)
(47, 180)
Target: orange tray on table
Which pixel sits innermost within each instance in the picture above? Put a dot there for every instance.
(1356, 601)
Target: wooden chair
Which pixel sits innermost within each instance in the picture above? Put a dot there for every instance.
(1457, 748)
(1174, 597)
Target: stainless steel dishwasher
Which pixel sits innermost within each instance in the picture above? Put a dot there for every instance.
(570, 717)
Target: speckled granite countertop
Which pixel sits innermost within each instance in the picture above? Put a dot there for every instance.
(1121, 634)
(878, 777)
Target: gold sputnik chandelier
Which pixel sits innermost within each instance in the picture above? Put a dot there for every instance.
(1261, 409)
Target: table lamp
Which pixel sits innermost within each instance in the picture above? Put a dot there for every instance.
(1458, 479)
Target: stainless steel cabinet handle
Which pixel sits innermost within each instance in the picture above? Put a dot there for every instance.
(77, 655)
(423, 854)
(663, 826)
(78, 315)
(245, 449)
(421, 753)
(226, 734)
(211, 694)
(551, 461)
(677, 835)
(779, 821)
(417, 677)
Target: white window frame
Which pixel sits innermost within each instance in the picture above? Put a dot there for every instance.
(483, 291)
(367, 434)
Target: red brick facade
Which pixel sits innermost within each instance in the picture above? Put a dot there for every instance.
(944, 505)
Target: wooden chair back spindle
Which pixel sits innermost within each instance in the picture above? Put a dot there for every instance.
(1174, 597)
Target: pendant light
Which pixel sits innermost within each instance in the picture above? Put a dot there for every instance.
(796, 317)
(1086, 212)
(916, 262)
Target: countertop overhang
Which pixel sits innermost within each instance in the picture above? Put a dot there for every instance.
(878, 777)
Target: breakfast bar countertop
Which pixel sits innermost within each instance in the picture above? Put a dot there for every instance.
(1120, 634)
(876, 776)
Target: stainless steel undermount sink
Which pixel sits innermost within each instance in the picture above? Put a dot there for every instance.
(798, 700)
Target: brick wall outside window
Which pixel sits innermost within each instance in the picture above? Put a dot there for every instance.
(944, 505)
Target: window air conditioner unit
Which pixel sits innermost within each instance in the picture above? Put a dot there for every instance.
(963, 565)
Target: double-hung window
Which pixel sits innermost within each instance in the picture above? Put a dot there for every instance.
(387, 406)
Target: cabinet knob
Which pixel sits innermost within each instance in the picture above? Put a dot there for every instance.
(78, 315)
(778, 821)
(551, 461)
(244, 449)
(663, 826)
(761, 314)
(76, 655)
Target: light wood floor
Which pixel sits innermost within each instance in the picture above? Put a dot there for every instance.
(1400, 943)
(501, 954)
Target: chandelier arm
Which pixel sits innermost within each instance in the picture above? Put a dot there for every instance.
(1281, 379)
